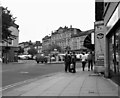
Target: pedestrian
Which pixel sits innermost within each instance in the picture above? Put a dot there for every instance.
(67, 61)
(83, 59)
(90, 61)
(73, 61)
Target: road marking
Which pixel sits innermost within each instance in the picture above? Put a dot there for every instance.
(22, 72)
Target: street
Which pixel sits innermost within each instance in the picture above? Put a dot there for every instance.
(82, 83)
(32, 79)
(14, 72)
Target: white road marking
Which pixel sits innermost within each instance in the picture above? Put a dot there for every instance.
(22, 72)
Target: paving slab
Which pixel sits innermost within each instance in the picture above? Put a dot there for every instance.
(68, 84)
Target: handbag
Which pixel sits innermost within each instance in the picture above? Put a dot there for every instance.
(71, 66)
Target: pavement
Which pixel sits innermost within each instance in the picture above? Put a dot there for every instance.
(81, 83)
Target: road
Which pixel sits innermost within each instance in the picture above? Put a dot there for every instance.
(14, 72)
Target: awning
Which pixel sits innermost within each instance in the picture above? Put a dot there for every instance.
(87, 43)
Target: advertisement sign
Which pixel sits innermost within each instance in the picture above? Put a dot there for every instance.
(99, 44)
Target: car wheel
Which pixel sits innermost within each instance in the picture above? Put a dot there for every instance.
(37, 61)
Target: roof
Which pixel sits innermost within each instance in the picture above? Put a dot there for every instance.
(46, 37)
(65, 29)
(82, 33)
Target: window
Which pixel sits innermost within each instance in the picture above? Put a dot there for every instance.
(114, 52)
(10, 42)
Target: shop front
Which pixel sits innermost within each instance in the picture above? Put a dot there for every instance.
(113, 43)
(114, 51)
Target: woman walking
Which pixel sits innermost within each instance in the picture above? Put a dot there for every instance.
(83, 59)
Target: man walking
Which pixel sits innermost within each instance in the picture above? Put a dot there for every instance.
(73, 61)
(67, 61)
(90, 61)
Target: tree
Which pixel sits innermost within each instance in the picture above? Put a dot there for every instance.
(21, 50)
(67, 48)
(7, 21)
(51, 47)
(54, 46)
(32, 51)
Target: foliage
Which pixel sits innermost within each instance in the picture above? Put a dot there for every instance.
(54, 46)
(67, 48)
(21, 50)
(51, 47)
(7, 21)
(32, 51)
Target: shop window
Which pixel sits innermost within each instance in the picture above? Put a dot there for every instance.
(114, 52)
(118, 51)
(111, 53)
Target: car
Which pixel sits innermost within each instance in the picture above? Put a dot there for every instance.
(24, 57)
(1, 60)
(41, 58)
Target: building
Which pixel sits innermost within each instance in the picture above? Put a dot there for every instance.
(38, 46)
(71, 38)
(111, 29)
(27, 45)
(46, 41)
(78, 40)
(10, 48)
(62, 37)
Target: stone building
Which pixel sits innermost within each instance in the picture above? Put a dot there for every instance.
(46, 41)
(67, 37)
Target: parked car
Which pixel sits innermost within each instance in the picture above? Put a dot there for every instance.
(24, 57)
(41, 58)
(1, 60)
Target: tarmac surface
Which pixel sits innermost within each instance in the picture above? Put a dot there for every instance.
(81, 83)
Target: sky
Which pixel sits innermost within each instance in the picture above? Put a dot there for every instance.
(38, 18)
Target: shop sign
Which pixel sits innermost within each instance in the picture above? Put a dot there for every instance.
(100, 35)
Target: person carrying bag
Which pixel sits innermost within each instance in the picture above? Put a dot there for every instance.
(73, 63)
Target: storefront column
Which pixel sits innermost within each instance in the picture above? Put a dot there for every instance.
(106, 64)
(106, 54)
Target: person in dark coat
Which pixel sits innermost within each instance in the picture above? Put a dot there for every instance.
(90, 61)
(67, 61)
(73, 61)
